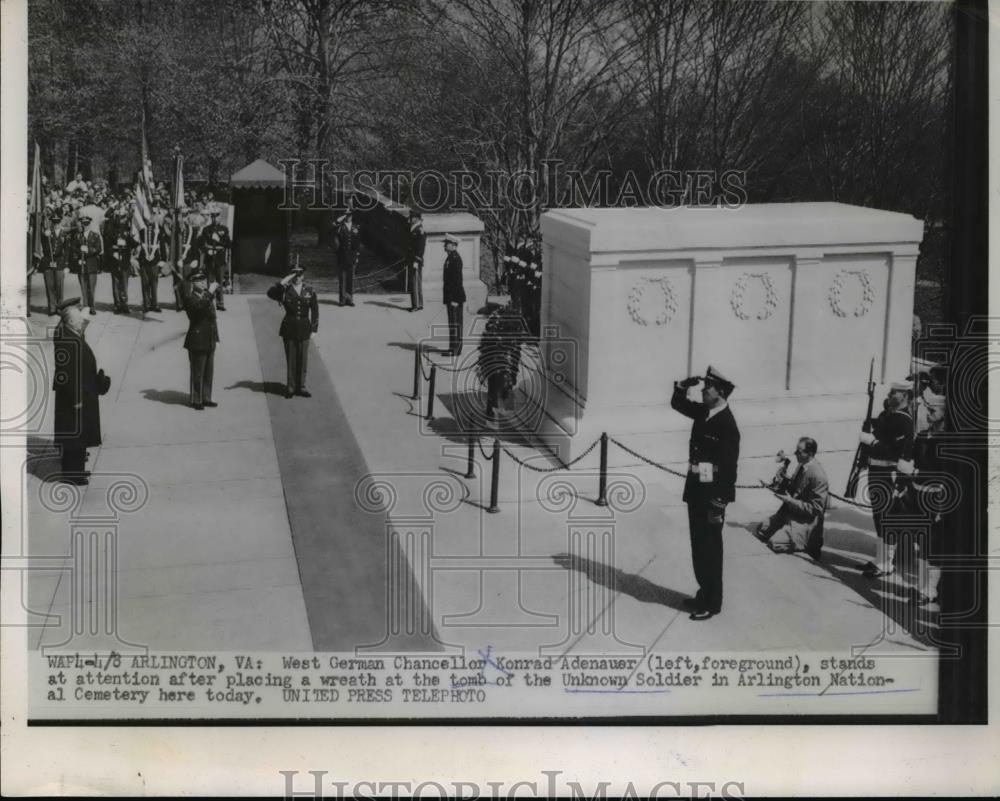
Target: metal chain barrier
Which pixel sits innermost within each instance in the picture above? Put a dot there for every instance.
(479, 444)
(447, 369)
(372, 278)
(647, 460)
(561, 466)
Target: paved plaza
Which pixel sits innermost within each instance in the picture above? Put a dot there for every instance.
(344, 521)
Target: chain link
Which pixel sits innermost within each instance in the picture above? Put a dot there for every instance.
(423, 357)
(647, 460)
(561, 466)
(486, 456)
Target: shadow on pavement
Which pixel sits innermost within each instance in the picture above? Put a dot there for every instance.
(618, 580)
(44, 458)
(387, 305)
(171, 397)
(267, 387)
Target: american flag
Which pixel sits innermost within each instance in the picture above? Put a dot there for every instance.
(142, 211)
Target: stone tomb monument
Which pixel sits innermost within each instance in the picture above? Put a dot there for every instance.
(789, 300)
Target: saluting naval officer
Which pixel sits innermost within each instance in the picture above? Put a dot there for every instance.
(713, 451)
(890, 440)
(301, 321)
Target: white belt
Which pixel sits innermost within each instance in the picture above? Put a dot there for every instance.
(693, 468)
(881, 463)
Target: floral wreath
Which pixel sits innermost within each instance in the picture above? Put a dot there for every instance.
(739, 290)
(837, 289)
(669, 301)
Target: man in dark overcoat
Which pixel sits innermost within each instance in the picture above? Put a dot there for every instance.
(77, 384)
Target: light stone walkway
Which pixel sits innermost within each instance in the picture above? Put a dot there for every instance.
(208, 561)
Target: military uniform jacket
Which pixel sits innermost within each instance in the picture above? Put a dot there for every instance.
(301, 310)
(454, 289)
(214, 242)
(91, 250)
(203, 332)
(151, 244)
(928, 481)
(348, 243)
(122, 245)
(715, 440)
(416, 245)
(75, 382)
(893, 432)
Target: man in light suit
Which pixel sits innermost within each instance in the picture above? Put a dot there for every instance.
(798, 523)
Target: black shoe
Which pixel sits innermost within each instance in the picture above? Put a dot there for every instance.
(289, 394)
(692, 605)
(75, 478)
(220, 308)
(303, 393)
(350, 303)
(158, 309)
(702, 614)
(210, 404)
(93, 312)
(199, 406)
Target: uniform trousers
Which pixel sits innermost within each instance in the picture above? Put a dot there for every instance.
(454, 328)
(119, 283)
(415, 276)
(53, 288)
(880, 490)
(202, 369)
(297, 360)
(149, 275)
(347, 281)
(214, 271)
(706, 552)
(88, 287)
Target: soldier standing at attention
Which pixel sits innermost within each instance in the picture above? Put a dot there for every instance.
(713, 451)
(151, 256)
(91, 251)
(203, 333)
(301, 321)
(213, 245)
(122, 246)
(348, 250)
(890, 440)
(454, 295)
(416, 243)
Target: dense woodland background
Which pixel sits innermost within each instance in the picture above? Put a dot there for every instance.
(836, 101)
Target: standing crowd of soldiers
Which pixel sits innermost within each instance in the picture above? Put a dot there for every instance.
(87, 230)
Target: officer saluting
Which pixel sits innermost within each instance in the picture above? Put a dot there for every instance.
(713, 451)
(301, 321)
(213, 243)
(416, 243)
(890, 440)
(202, 336)
(348, 251)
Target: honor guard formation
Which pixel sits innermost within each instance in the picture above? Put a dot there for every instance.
(86, 230)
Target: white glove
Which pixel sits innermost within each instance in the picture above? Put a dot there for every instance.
(906, 467)
(866, 438)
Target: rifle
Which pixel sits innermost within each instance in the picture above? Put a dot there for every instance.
(861, 454)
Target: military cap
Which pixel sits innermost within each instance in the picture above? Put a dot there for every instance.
(197, 275)
(297, 268)
(901, 386)
(713, 376)
(451, 238)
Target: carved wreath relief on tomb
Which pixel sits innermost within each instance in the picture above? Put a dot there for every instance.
(753, 297)
(851, 298)
(661, 301)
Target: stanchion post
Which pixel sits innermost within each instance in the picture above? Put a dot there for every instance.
(470, 471)
(416, 373)
(602, 490)
(430, 394)
(495, 479)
